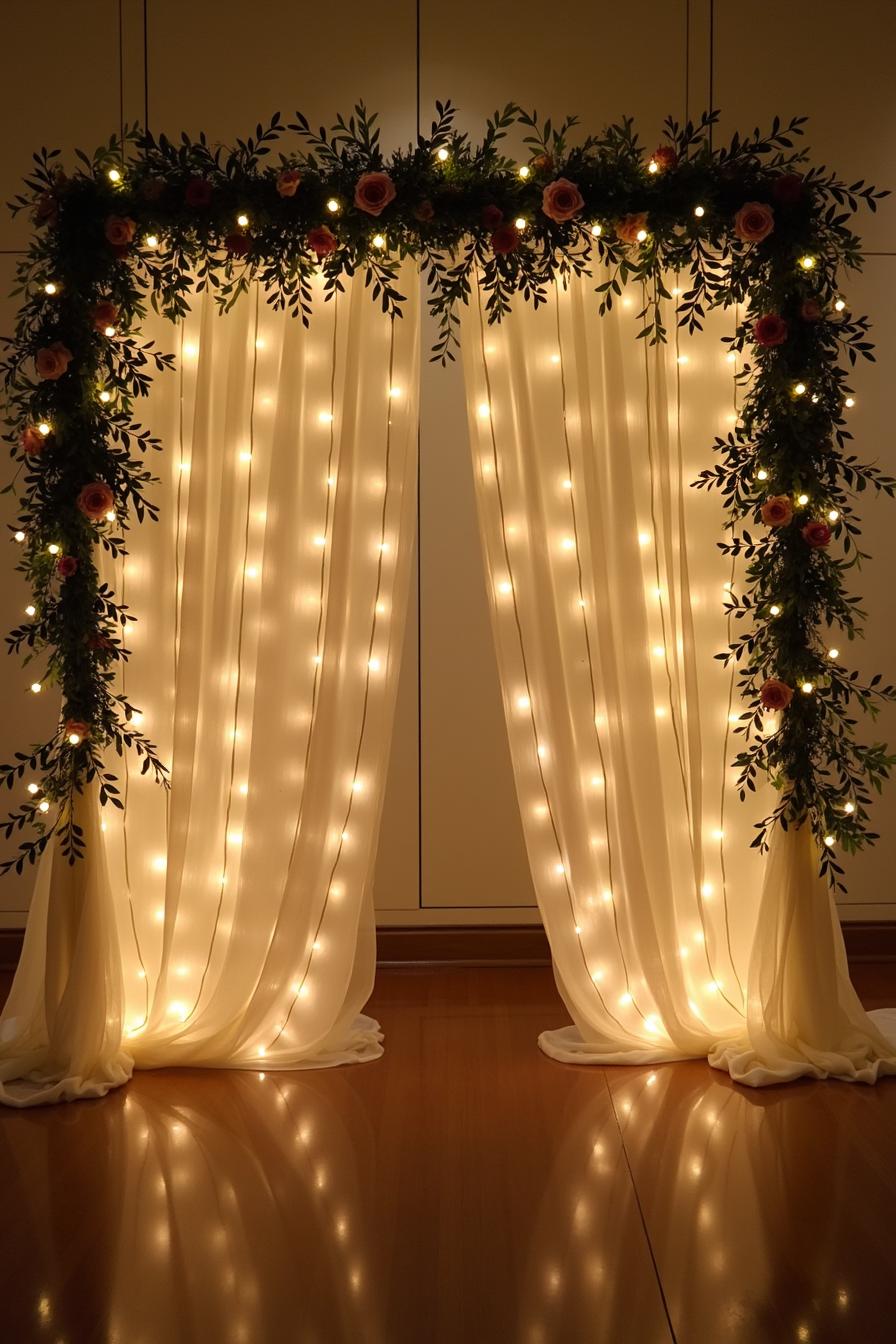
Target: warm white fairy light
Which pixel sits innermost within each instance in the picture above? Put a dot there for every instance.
(762, 474)
(44, 428)
(523, 702)
(51, 287)
(325, 417)
(105, 397)
(320, 541)
(505, 587)
(246, 455)
(774, 609)
(519, 223)
(641, 235)
(839, 305)
(596, 230)
(799, 389)
(242, 220)
(699, 211)
(44, 806)
(36, 688)
(829, 841)
(802, 499)
(108, 331)
(151, 241)
(653, 166)
(33, 788)
(30, 610)
(833, 515)
(374, 664)
(524, 170)
(807, 688)
(114, 175)
(442, 154)
(807, 263)
(849, 807)
(833, 653)
(378, 241)
(849, 403)
(74, 739)
(333, 206)
(18, 536)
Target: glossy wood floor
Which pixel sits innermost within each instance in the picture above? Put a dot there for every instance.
(462, 1190)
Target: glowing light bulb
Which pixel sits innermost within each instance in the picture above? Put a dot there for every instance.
(74, 739)
(53, 549)
(50, 287)
(505, 587)
(33, 788)
(30, 610)
(442, 154)
(643, 538)
(18, 536)
(849, 403)
(568, 544)
(807, 263)
(333, 206)
(114, 175)
(243, 221)
(43, 428)
(641, 235)
(325, 417)
(519, 223)
(802, 499)
(774, 609)
(762, 474)
(151, 241)
(374, 664)
(524, 171)
(110, 516)
(653, 166)
(799, 389)
(44, 806)
(36, 688)
(320, 541)
(625, 999)
(706, 889)
(105, 396)
(829, 840)
(379, 241)
(596, 230)
(699, 211)
(833, 653)
(357, 785)
(849, 807)
(159, 863)
(523, 702)
(394, 391)
(833, 515)
(731, 356)
(807, 687)
(839, 306)
(483, 410)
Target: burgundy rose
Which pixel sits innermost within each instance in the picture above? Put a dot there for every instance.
(32, 441)
(775, 694)
(104, 314)
(788, 188)
(66, 566)
(754, 221)
(630, 226)
(561, 200)
(288, 181)
(238, 244)
(321, 241)
(810, 310)
(505, 239)
(770, 330)
(777, 511)
(816, 534)
(119, 230)
(492, 217)
(53, 360)
(424, 212)
(96, 500)
(665, 158)
(373, 192)
(76, 728)
(198, 193)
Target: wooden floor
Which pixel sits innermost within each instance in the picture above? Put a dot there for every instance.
(462, 1190)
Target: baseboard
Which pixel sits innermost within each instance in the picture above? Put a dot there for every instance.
(510, 945)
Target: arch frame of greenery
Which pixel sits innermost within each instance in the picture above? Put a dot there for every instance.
(148, 219)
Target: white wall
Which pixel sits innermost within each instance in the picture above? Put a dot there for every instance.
(452, 850)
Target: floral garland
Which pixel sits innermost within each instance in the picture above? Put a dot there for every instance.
(150, 219)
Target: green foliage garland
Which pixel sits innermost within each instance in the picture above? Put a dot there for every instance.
(152, 220)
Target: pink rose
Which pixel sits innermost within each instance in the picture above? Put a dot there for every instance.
(754, 221)
(505, 239)
(788, 188)
(104, 314)
(96, 500)
(492, 217)
(542, 163)
(628, 228)
(816, 535)
(66, 566)
(775, 694)
(665, 158)
(238, 244)
(198, 193)
(321, 241)
(561, 200)
(373, 192)
(75, 728)
(770, 330)
(53, 360)
(119, 230)
(32, 441)
(424, 212)
(288, 180)
(777, 511)
(810, 310)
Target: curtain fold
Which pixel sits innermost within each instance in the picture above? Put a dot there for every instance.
(270, 603)
(607, 593)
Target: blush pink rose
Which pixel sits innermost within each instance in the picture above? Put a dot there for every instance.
(810, 310)
(104, 314)
(505, 239)
(561, 200)
(775, 694)
(373, 192)
(76, 728)
(630, 226)
(96, 500)
(770, 330)
(816, 535)
(754, 221)
(119, 230)
(32, 441)
(53, 360)
(492, 217)
(777, 511)
(198, 193)
(288, 180)
(321, 241)
(66, 566)
(665, 158)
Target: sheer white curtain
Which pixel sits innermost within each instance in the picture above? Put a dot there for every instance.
(230, 922)
(607, 595)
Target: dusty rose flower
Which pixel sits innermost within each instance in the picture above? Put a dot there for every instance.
(53, 360)
(288, 180)
(32, 441)
(505, 239)
(198, 193)
(810, 310)
(665, 158)
(104, 314)
(96, 500)
(77, 728)
(66, 566)
(542, 163)
(770, 330)
(561, 200)
(151, 188)
(754, 221)
(775, 694)
(816, 535)
(46, 210)
(119, 230)
(321, 241)
(788, 188)
(238, 244)
(373, 192)
(777, 511)
(630, 226)
(424, 212)
(492, 217)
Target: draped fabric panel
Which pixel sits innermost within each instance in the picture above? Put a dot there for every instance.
(607, 591)
(230, 920)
